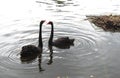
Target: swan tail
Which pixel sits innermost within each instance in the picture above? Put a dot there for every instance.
(72, 41)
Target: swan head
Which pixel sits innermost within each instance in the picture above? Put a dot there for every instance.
(50, 22)
(42, 21)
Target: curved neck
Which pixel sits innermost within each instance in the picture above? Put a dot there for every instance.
(51, 35)
(40, 44)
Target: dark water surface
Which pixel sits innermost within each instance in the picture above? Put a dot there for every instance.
(95, 53)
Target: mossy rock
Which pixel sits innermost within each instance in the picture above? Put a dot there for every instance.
(106, 22)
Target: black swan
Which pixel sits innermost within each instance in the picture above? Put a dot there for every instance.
(30, 52)
(62, 43)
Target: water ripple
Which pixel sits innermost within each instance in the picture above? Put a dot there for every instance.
(85, 43)
(12, 61)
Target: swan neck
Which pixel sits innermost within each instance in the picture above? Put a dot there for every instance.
(51, 35)
(40, 44)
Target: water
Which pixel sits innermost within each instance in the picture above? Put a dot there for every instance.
(94, 55)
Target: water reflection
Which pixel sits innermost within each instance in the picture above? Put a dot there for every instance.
(50, 55)
(40, 62)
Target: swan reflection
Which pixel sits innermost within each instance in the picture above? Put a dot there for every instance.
(51, 55)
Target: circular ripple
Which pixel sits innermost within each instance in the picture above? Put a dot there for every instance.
(11, 60)
(85, 42)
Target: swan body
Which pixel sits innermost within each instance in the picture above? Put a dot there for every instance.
(63, 42)
(29, 53)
